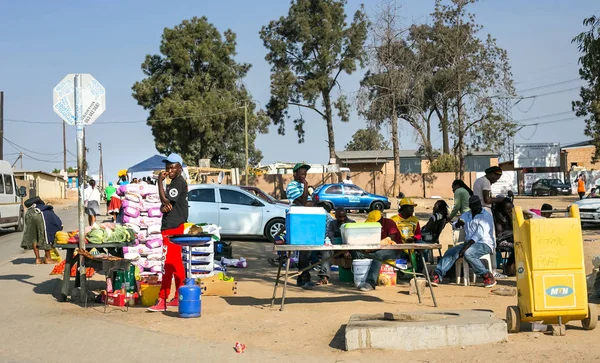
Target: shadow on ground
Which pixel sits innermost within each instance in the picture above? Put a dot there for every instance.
(252, 301)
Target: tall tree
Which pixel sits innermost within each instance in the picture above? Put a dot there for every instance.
(588, 43)
(470, 72)
(393, 87)
(366, 139)
(195, 98)
(308, 50)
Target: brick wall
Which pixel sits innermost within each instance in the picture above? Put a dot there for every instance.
(582, 156)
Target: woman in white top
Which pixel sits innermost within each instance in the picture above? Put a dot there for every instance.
(91, 200)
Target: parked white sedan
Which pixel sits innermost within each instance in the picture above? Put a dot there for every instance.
(238, 212)
(589, 207)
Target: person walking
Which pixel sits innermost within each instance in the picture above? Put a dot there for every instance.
(175, 214)
(91, 200)
(581, 186)
(109, 191)
(41, 224)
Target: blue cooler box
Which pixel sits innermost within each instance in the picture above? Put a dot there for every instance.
(305, 226)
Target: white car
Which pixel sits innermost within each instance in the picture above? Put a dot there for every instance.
(238, 212)
(589, 207)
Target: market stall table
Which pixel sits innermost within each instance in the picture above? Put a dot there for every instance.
(339, 250)
(69, 259)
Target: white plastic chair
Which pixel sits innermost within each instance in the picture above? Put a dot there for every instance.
(458, 236)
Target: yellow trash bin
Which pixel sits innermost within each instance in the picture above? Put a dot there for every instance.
(551, 281)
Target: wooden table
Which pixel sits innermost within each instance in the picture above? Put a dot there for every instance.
(341, 249)
(69, 261)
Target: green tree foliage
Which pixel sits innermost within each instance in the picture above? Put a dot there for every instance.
(366, 139)
(443, 164)
(195, 99)
(71, 169)
(471, 76)
(588, 43)
(308, 50)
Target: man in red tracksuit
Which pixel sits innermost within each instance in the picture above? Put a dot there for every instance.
(175, 213)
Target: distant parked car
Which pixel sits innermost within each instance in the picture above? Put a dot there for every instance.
(239, 213)
(550, 187)
(350, 197)
(257, 192)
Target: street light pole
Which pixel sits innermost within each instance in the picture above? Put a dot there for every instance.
(101, 168)
(246, 136)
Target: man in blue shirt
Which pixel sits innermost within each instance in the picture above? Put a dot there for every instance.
(478, 224)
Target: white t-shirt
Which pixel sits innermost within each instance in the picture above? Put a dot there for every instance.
(91, 194)
(479, 186)
(348, 181)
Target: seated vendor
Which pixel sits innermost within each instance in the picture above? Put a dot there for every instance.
(407, 222)
(388, 229)
(505, 240)
(334, 234)
(478, 225)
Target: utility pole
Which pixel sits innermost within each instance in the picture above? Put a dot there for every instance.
(100, 169)
(64, 146)
(2, 125)
(246, 135)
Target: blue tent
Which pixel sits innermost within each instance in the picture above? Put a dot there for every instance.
(151, 164)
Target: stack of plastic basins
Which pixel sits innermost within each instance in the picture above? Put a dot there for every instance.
(203, 260)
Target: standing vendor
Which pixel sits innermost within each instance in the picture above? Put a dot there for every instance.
(175, 214)
(297, 194)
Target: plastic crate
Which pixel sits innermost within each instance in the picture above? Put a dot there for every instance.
(361, 233)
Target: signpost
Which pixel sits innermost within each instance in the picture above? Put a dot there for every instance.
(79, 99)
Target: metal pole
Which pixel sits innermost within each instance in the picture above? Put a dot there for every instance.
(81, 180)
(64, 126)
(101, 169)
(246, 135)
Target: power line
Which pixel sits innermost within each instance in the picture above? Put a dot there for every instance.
(549, 85)
(545, 116)
(128, 121)
(21, 148)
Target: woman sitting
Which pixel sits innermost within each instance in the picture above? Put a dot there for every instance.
(433, 229)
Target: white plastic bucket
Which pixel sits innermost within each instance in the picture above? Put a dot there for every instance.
(359, 269)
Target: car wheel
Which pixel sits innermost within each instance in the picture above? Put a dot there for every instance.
(273, 228)
(326, 205)
(21, 223)
(377, 206)
(535, 193)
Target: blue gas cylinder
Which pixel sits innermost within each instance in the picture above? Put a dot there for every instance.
(189, 299)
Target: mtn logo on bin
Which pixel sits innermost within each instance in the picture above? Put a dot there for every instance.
(559, 291)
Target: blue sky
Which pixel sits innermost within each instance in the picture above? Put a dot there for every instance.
(41, 42)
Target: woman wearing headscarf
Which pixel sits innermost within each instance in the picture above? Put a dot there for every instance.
(41, 224)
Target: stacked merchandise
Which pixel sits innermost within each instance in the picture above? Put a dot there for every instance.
(141, 212)
(202, 261)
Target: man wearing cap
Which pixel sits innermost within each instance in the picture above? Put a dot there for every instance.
(297, 189)
(109, 191)
(388, 229)
(175, 214)
(407, 223)
(478, 225)
(483, 187)
(297, 194)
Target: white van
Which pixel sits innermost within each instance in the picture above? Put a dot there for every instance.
(11, 206)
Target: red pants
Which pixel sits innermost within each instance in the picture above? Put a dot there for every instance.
(173, 264)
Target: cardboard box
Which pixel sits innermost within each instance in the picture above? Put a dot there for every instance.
(216, 286)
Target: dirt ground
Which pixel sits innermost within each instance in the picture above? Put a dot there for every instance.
(313, 321)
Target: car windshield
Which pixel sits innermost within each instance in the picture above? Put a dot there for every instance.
(555, 181)
(264, 196)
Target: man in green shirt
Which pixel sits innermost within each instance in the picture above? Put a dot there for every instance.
(109, 191)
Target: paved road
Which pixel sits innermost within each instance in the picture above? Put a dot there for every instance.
(37, 328)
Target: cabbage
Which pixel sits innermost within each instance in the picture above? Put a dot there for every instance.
(96, 236)
(121, 234)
